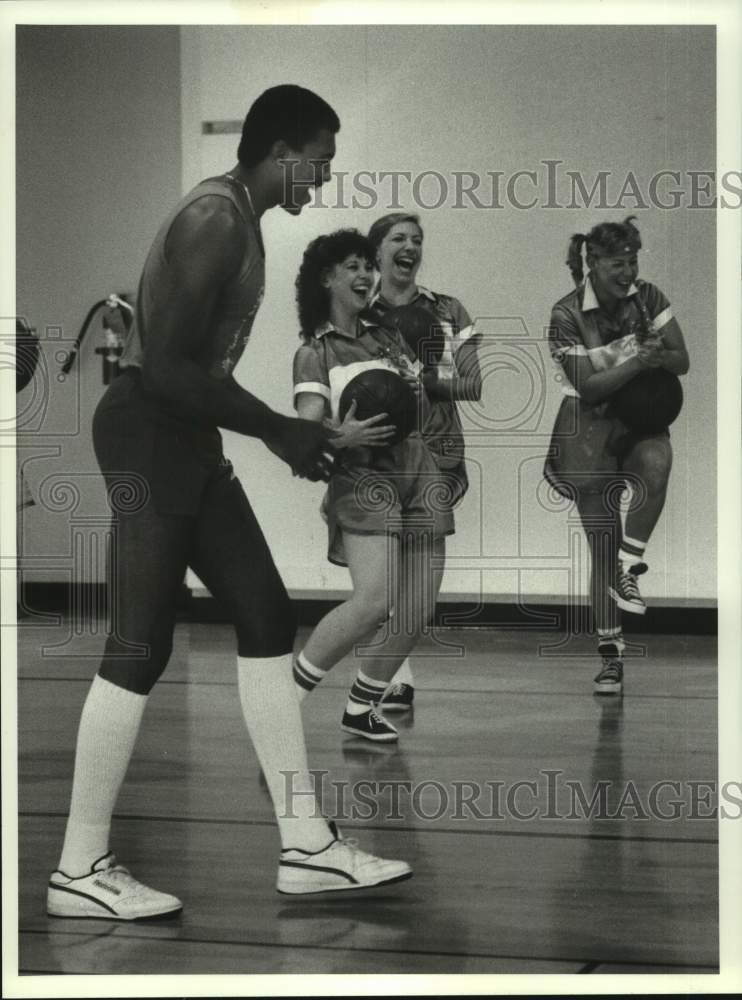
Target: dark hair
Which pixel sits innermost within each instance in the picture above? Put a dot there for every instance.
(26, 353)
(312, 298)
(286, 112)
(603, 240)
(381, 227)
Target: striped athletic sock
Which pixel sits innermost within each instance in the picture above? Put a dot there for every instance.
(610, 642)
(365, 693)
(631, 551)
(306, 676)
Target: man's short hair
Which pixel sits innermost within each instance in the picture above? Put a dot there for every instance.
(286, 112)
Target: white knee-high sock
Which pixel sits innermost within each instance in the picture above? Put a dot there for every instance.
(108, 729)
(271, 710)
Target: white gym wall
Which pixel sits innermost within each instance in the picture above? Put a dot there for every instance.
(482, 99)
(98, 160)
(109, 132)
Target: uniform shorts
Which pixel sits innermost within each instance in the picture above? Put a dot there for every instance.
(455, 477)
(142, 445)
(588, 448)
(401, 491)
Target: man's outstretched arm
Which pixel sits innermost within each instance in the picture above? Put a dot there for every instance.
(204, 249)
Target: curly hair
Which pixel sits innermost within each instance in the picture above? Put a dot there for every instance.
(603, 240)
(324, 252)
(381, 227)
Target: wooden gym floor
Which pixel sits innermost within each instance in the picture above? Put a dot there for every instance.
(495, 891)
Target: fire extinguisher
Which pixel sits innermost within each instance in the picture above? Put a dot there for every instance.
(116, 322)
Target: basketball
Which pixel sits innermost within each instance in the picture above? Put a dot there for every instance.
(381, 390)
(420, 329)
(650, 401)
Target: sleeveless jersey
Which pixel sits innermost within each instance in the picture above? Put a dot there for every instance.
(237, 304)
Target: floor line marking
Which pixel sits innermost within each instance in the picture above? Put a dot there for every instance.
(549, 834)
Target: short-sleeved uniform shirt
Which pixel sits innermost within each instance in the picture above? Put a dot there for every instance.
(583, 441)
(333, 358)
(580, 327)
(442, 431)
(373, 491)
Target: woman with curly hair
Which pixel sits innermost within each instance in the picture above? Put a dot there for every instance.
(383, 519)
(611, 328)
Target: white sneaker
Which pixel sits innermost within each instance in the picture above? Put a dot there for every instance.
(109, 892)
(342, 865)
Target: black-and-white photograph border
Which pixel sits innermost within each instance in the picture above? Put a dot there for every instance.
(371, 498)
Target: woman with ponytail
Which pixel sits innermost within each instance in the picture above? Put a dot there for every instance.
(610, 329)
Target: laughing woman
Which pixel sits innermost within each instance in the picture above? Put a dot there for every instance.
(382, 522)
(607, 331)
(397, 241)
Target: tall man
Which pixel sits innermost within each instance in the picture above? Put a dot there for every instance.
(177, 503)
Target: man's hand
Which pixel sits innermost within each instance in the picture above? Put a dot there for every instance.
(304, 445)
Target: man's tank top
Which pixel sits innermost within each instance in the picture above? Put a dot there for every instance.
(237, 303)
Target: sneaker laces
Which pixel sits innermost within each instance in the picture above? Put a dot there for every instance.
(357, 855)
(340, 837)
(116, 872)
(629, 585)
(375, 716)
(120, 875)
(612, 670)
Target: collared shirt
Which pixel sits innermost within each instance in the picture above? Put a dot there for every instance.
(452, 318)
(580, 326)
(442, 430)
(333, 357)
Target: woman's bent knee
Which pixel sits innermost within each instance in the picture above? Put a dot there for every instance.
(370, 610)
